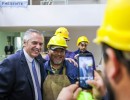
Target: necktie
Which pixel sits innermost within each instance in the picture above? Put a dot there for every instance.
(36, 81)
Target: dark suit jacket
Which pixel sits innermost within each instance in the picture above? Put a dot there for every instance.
(15, 78)
(9, 49)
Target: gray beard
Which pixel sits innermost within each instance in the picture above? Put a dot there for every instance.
(57, 63)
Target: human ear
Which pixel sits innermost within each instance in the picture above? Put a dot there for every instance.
(115, 69)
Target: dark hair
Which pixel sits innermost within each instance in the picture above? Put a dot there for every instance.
(119, 55)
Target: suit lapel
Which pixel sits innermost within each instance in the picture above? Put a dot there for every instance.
(41, 61)
(27, 71)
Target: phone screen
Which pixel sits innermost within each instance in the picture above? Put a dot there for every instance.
(86, 71)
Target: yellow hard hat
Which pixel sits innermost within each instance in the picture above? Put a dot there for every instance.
(115, 29)
(63, 32)
(57, 41)
(82, 39)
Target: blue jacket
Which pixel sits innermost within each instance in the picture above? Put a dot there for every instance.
(71, 70)
(78, 52)
(68, 54)
(15, 78)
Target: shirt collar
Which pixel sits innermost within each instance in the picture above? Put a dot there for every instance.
(30, 59)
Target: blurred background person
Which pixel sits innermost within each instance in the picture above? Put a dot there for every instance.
(9, 49)
(82, 43)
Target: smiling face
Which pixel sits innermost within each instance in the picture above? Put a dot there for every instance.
(33, 46)
(57, 56)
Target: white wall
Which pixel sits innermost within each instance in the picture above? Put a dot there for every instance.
(51, 16)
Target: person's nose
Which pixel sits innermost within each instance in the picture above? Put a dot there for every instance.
(84, 47)
(38, 46)
(59, 53)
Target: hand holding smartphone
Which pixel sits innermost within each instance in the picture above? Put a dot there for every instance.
(85, 69)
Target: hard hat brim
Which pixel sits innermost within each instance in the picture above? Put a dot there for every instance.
(57, 47)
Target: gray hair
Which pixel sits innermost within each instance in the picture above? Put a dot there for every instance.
(28, 34)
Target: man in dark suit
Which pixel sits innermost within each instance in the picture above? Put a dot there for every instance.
(9, 49)
(17, 78)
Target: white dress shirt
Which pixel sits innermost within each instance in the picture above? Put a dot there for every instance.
(29, 61)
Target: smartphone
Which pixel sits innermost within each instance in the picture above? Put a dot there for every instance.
(85, 69)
